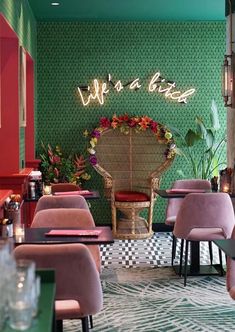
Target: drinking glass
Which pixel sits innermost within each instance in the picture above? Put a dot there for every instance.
(20, 307)
(2, 305)
(36, 289)
(20, 296)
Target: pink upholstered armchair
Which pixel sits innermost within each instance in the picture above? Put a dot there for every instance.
(230, 274)
(174, 205)
(68, 217)
(56, 202)
(78, 289)
(204, 217)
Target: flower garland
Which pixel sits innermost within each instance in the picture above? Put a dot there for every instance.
(124, 123)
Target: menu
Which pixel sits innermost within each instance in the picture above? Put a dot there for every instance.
(187, 191)
(76, 192)
(74, 232)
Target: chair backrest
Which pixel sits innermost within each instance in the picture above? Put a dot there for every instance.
(130, 159)
(56, 202)
(205, 210)
(174, 204)
(63, 217)
(76, 275)
(230, 273)
(68, 217)
(59, 187)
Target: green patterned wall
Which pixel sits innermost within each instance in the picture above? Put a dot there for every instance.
(20, 17)
(72, 54)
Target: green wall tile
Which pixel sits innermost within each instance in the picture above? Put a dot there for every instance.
(71, 54)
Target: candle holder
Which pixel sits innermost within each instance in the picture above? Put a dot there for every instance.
(46, 189)
(19, 233)
(226, 180)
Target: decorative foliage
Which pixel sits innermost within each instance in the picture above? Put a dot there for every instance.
(124, 123)
(200, 148)
(56, 167)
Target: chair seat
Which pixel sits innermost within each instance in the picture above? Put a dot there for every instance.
(206, 234)
(131, 196)
(67, 309)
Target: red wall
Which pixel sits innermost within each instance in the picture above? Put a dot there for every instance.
(9, 131)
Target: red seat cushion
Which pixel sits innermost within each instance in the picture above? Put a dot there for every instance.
(131, 196)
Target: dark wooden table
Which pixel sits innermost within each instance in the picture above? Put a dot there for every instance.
(37, 236)
(165, 194)
(195, 268)
(94, 194)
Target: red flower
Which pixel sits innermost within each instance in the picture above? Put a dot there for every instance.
(153, 126)
(132, 122)
(105, 122)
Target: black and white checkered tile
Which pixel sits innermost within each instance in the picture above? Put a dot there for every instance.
(152, 252)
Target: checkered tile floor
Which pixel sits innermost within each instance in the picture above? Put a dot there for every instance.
(153, 252)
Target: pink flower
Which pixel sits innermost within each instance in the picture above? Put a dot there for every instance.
(56, 159)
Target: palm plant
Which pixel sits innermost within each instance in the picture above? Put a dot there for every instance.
(200, 148)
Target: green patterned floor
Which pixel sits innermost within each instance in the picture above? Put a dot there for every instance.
(154, 299)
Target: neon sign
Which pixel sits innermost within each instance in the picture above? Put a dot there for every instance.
(97, 90)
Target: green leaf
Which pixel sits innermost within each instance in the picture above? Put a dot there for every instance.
(214, 116)
(210, 139)
(191, 137)
(202, 131)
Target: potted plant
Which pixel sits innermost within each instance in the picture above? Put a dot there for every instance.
(203, 152)
(56, 167)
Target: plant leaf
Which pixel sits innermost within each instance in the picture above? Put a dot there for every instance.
(214, 116)
(201, 127)
(192, 137)
(210, 139)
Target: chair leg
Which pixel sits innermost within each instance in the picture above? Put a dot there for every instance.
(85, 325)
(186, 263)
(174, 242)
(91, 321)
(221, 263)
(181, 256)
(59, 326)
(210, 251)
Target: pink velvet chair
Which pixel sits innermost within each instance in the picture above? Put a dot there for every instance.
(56, 202)
(230, 274)
(68, 217)
(78, 288)
(174, 205)
(59, 187)
(204, 217)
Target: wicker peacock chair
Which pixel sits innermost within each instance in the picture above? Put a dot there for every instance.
(131, 160)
